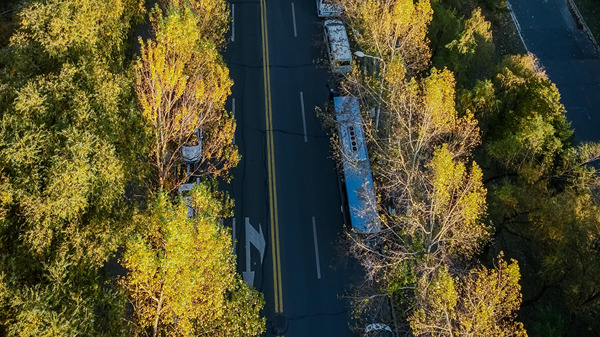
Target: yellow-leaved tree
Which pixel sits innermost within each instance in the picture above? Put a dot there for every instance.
(420, 156)
(182, 86)
(387, 27)
(213, 17)
(481, 303)
(456, 205)
(181, 276)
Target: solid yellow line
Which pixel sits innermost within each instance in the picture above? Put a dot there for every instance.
(274, 178)
(271, 165)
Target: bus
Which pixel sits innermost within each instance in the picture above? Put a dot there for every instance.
(358, 179)
(328, 9)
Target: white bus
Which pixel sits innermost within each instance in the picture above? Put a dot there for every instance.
(328, 9)
(338, 46)
(357, 169)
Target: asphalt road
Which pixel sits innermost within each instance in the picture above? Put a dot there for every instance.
(286, 182)
(550, 32)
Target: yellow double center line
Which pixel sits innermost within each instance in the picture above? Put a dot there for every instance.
(271, 163)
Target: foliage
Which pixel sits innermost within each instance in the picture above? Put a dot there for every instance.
(465, 47)
(58, 305)
(541, 188)
(525, 125)
(68, 125)
(212, 15)
(431, 196)
(181, 273)
(387, 28)
(182, 85)
(481, 303)
(463, 193)
(54, 32)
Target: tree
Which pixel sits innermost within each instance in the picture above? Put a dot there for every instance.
(480, 303)
(182, 85)
(431, 199)
(68, 121)
(390, 27)
(424, 131)
(213, 17)
(55, 31)
(526, 124)
(543, 193)
(472, 52)
(181, 275)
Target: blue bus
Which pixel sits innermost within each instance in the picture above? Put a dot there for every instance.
(357, 169)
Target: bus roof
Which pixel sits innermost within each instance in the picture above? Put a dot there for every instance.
(340, 46)
(357, 169)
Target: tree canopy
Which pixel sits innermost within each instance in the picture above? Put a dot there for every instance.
(74, 148)
(68, 121)
(182, 85)
(181, 274)
(430, 191)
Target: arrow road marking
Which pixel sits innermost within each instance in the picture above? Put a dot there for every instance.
(257, 239)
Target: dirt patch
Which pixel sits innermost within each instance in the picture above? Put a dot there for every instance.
(506, 36)
(590, 10)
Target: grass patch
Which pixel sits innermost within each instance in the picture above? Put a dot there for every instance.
(590, 10)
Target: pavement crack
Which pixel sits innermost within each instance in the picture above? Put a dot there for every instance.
(320, 314)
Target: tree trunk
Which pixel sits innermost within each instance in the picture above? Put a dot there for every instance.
(157, 315)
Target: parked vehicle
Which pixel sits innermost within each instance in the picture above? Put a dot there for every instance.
(184, 190)
(192, 151)
(338, 46)
(378, 330)
(357, 169)
(328, 9)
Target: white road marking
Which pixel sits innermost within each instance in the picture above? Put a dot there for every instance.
(257, 239)
(517, 25)
(294, 20)
(233, 111)
(232, 22)
(303, 116)
(316, 248)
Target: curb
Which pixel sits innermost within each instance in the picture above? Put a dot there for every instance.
(517, 25)
(581, 24)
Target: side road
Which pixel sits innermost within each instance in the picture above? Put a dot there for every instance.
(570, 59)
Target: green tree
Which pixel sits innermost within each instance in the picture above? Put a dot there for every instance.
(473, 50)
(181, 273)
(527, 129)
(69, 139)
(542, 191)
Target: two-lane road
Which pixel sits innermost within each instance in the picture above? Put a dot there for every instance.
(569, 58)
(286, 181)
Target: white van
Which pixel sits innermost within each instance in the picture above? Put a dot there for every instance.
(338, 47)
(328, 9)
